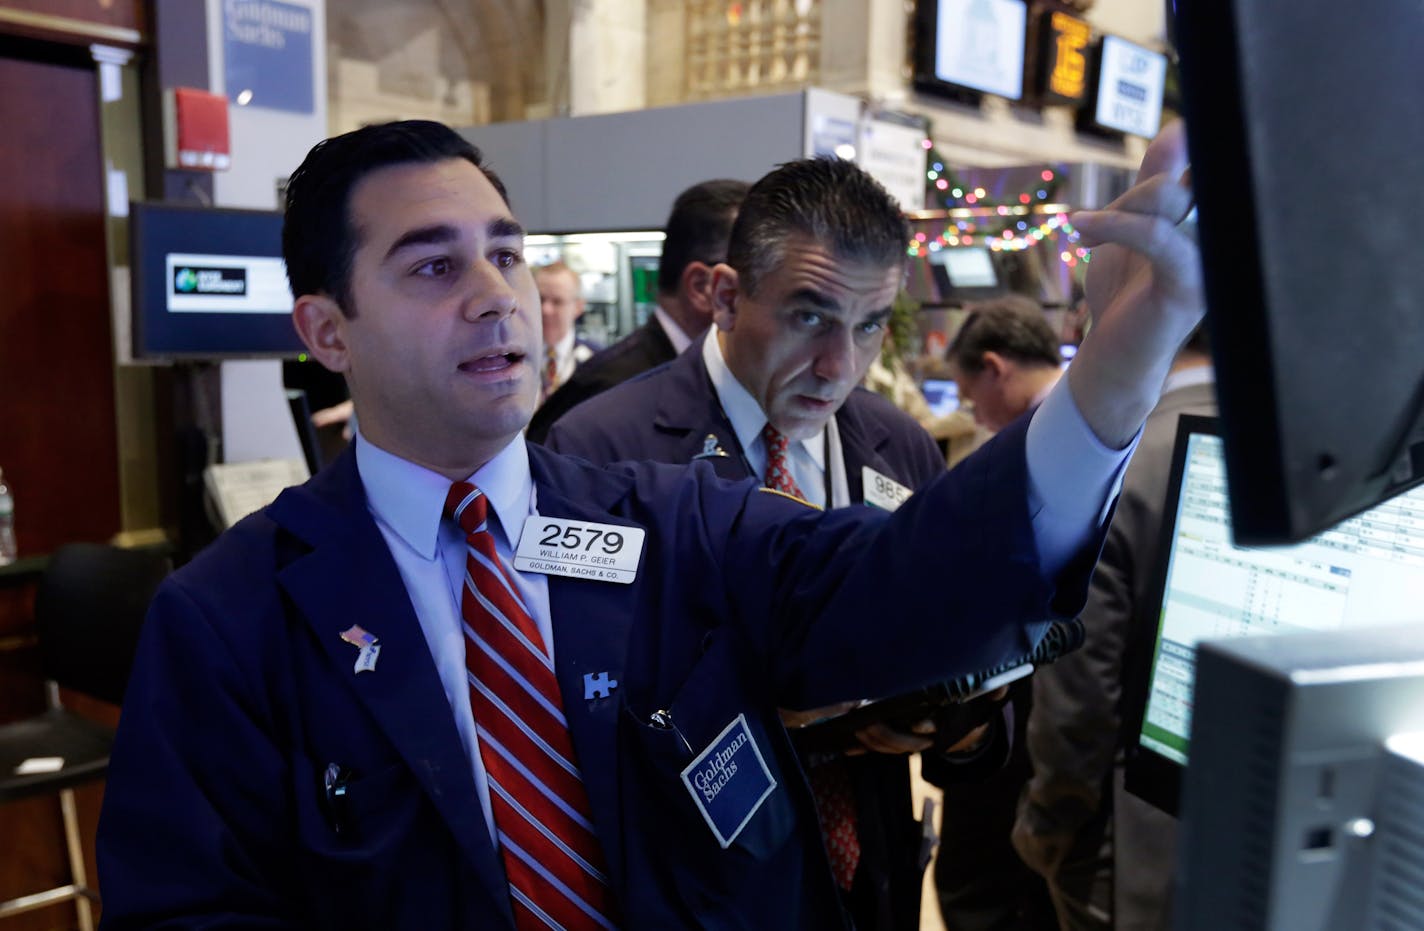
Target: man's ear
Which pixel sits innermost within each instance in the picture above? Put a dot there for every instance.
(722, 294)
(322, 327)
(995, 363)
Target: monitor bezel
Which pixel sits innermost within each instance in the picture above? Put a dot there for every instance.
(925, 50)
(146, 285)
(1148, 774)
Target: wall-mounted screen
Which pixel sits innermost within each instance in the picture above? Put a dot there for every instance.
(976, 45)
(967, 267)
(1130, 84)
(209, 283)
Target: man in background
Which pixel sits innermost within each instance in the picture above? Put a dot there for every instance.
(697, 231)
(1005, 358)
(1108, 855)
(801, 308)
(561, 303)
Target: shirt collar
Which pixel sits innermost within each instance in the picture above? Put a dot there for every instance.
(565, 345)
(410, 499)
(743, 410)
(679, 339)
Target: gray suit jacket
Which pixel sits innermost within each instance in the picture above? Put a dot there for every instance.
(1074, 730)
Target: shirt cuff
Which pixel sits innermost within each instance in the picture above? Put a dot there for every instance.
(1072, 478)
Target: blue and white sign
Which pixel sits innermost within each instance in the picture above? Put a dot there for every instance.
(267, 52)
(1130, 87)
(729, 781)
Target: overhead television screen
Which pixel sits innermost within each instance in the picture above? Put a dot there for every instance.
(209, 283)
(973, 44)
(1131, 80)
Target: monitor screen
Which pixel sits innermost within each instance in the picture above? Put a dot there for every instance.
(967, 267)
(209, 283)
(973, 44)
(1315, 329)
(1130, 84)
(1366, 572)
(942, 395)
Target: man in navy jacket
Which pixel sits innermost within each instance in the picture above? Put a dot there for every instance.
(298, 747)
(789, 355)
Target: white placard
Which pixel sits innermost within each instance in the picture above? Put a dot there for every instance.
(1130, 85)
(894, 155)
(580, 549)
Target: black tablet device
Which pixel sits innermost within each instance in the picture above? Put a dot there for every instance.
(950, 704)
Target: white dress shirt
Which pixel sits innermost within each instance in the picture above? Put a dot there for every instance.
(807, 457)
(568, 355)
(679, 339)
(408, 504)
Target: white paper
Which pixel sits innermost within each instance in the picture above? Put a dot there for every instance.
(40, 764)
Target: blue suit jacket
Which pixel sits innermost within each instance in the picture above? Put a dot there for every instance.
(644, 348)
(666, 415)
(243, 693)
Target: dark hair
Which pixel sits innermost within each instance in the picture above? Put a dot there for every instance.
(698, 228)
(318, 241)
(828, 200)
(1013, 326)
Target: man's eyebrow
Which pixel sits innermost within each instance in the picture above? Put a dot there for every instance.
(441, 233)
(424, 236)
(504, 228)
(813, 297)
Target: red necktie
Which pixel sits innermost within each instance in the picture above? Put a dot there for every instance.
(552, 858)
(830, 782)
(550, 378)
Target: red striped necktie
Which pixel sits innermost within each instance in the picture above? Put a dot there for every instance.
(830, 781)
(552, 858)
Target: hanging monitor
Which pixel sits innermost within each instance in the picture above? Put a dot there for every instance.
(209, 283)
(964, 48)
(1305, 134)
(1127, 96)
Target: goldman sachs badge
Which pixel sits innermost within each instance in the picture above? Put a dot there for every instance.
(729, 781)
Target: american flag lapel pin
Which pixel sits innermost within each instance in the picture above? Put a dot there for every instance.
(366, 642)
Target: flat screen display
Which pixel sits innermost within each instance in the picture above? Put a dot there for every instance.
(942, 395)
(967, 267)
(209, 283)
(1130, 84)
(1365, 572)
(979, 44)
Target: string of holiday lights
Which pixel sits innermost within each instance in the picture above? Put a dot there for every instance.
(1003, 226)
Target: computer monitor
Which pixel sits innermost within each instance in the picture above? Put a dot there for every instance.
(1305, 161)
(965, 48)
(209, 283)
(1303, 808)
(942, 394)
(1366, 572)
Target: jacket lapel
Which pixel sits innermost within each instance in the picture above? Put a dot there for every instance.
(690, 421)
(862, 442)
(593, 625)
(349, 577)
